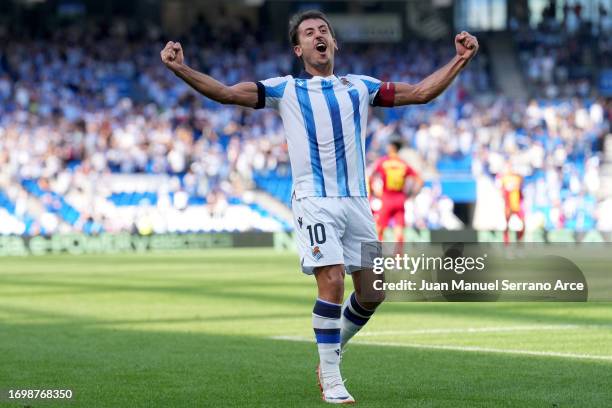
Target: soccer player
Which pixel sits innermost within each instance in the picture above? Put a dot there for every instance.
(394, 173)
(511, 187)
(325, 117)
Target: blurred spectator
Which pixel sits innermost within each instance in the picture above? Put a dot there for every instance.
(79, 106)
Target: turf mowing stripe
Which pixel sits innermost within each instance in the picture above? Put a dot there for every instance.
(462, 348)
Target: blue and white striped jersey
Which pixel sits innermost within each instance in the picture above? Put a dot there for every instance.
(325, 125)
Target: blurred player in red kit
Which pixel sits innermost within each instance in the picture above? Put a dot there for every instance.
(511, 185)
(396, 189)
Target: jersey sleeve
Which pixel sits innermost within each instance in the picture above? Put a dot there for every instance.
(377, 168)
(270, 92)
(410, 172)
(379, 93)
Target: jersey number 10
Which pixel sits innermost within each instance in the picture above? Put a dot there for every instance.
(316, 233)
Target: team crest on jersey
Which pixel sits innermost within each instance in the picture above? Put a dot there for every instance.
(316, 253)
(346, 82)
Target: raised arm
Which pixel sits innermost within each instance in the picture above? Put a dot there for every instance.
(432, 86)
(244, 93)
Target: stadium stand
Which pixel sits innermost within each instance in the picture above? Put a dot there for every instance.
(111, 141)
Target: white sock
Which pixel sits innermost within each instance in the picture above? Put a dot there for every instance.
(326, 325)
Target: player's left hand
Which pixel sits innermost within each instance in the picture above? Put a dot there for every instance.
(466, 45)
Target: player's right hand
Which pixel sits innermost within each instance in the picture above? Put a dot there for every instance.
(172, 55)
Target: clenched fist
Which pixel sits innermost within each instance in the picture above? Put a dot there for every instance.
(466, 45)
(172, 55)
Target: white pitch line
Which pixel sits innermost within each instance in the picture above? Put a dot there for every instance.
(474, 330)
(463, 349)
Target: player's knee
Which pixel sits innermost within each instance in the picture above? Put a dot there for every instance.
(331, 280)
(335, 280)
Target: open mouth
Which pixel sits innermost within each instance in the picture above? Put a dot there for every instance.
(321, 46)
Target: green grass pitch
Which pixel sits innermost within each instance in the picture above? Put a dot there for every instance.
(202, 328)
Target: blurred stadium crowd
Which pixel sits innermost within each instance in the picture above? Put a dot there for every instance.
(96, 135)
(559, 55)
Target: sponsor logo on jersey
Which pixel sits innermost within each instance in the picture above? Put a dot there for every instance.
(316, 253)
(300, 221)
(346, 82)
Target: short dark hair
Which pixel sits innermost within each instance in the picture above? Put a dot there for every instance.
(397, 144)
(297, 19)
